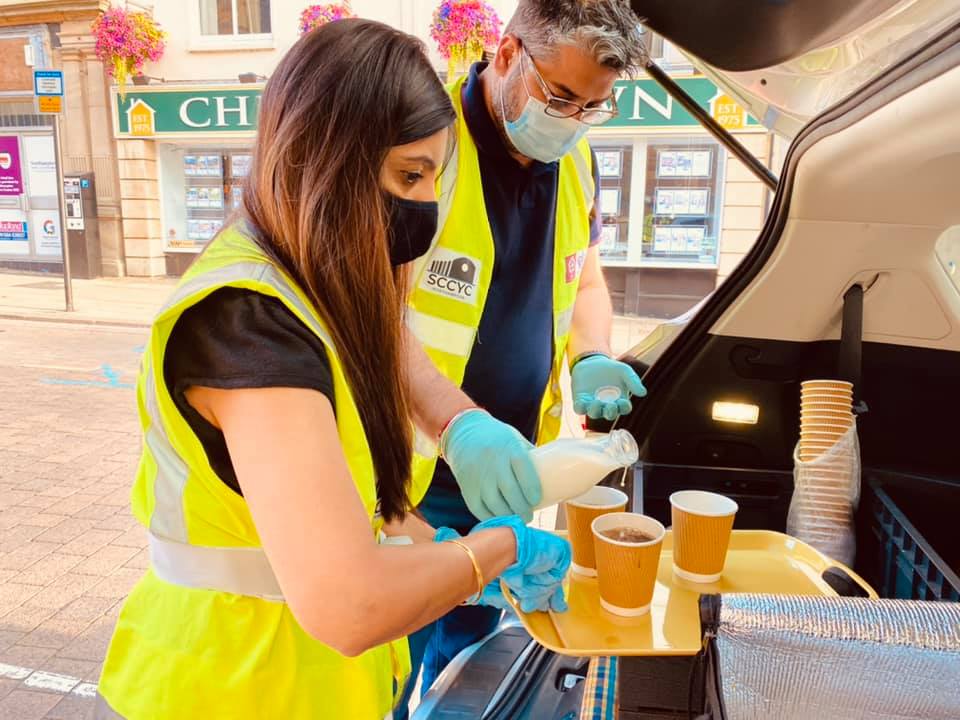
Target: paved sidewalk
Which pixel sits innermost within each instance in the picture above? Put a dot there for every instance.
(134, 301)
(114, 301)
(69, 548)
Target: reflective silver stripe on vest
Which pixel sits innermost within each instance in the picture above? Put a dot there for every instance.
(243, 570)
(256, 271)
(585, 176)
(167, 518)
(448, 184)
(564, 321)
(237, 570)
(440, 334)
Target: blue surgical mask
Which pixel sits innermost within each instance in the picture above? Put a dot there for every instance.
(539, 136)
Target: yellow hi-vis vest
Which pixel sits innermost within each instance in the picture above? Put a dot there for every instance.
(237, 651)
(451, 281)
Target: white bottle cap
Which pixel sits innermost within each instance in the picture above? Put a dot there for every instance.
(608, 393)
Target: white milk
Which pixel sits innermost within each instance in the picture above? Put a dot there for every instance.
(570, 466)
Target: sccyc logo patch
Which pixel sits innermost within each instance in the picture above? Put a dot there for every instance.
(452, 275)
(5, 161)
(575, 263)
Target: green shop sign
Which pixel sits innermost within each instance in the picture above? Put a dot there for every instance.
(224, 111)
(643, 103)
(177, 112)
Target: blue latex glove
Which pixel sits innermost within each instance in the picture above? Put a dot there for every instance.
(597, 371)
(491, 463)
(536, 578)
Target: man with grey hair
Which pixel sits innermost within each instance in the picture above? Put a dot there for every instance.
(512, 285)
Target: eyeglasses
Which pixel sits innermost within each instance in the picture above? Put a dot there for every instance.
(558, 107)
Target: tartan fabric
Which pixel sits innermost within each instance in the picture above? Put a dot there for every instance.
(600, 690)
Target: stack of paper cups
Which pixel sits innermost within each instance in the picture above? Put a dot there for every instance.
(826, 414)
(827, 472)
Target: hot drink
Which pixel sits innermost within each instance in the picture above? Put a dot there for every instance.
(627, 535)
(627, 547)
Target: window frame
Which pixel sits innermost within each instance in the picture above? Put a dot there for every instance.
(249, 41)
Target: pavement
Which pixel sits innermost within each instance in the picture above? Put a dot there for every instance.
(128, 302)
(132, 302)
(69, 548)
(69, 443)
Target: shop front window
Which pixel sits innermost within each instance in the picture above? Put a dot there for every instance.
(683, 202)
(615, 164)
(202, 189)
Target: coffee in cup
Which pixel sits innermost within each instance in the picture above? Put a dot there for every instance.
(627, 547)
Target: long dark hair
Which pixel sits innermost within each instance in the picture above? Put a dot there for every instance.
(333, 108)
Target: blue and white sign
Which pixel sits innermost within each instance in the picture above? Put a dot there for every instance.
(47, 82)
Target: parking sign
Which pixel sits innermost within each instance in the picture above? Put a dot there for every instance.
(48, 82)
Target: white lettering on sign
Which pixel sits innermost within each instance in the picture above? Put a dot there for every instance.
(240, 110)
(640, 96)
(185, 112)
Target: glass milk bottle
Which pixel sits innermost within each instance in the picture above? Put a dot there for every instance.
(570, 466)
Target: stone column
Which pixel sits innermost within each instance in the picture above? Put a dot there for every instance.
(88, 141)
(139, 190)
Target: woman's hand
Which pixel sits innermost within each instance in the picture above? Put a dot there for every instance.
(536, 577)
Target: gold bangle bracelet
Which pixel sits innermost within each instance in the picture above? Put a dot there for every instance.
(476, 570)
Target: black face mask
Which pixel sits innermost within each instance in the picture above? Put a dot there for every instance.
(411, 227)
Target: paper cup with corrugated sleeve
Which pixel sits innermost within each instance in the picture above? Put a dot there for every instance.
(702, 522)
(581, 512)
(627, 546)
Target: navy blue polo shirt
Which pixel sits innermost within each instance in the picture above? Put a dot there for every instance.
(509, 367)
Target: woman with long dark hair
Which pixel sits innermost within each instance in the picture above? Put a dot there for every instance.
(277, 430)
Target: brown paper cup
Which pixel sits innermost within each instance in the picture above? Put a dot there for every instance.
(842, 411)
(824, 433)
(814, 419)
(827, 389)
(838, 384)
(835, 401)
(702, 522)
(627, 572)
(581, 512)
(835, 396)
(824, 430)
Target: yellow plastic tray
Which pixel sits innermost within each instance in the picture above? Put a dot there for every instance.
(758, 562)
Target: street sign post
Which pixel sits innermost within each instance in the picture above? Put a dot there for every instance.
(48, 89)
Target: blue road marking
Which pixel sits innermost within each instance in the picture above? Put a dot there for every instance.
(111, 380)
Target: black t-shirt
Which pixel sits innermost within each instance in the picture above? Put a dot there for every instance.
(236, 338)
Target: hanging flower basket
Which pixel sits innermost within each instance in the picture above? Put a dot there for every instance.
(463, 29)
(314, 16)
(125, 41)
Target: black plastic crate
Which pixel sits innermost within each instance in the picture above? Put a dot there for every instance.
(902, 563)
